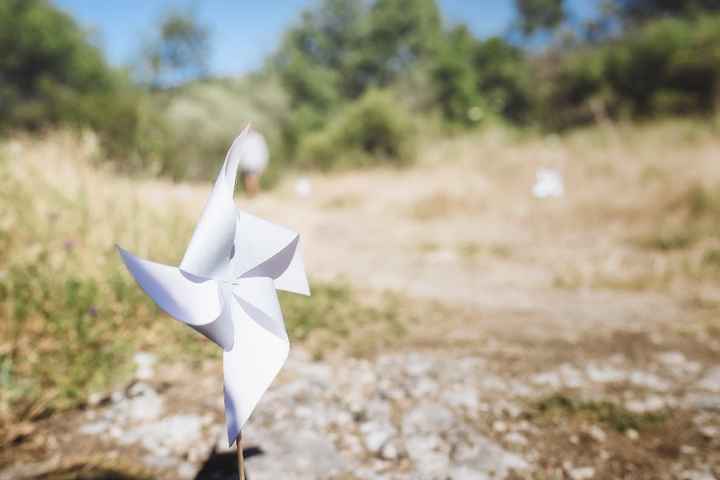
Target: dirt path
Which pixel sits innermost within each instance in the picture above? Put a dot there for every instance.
(451, 235)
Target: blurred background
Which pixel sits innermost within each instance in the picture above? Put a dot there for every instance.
(510, 213)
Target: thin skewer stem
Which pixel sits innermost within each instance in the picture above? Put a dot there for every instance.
(241, 458)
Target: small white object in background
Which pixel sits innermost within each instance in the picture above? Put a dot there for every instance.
(144, 362)
(254, 152)
(225, 288)
(548, 183)
(475, 114)
(303, 187)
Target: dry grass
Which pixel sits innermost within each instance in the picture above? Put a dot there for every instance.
(67, 306)
(606, 412)
(442, 204)
(641, 213)
(641, 210)
(71, 316)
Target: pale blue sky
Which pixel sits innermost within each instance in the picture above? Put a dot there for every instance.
(244, 32)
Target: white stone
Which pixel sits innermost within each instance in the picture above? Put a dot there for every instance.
(428, 418)
(390, 451)
(485, 459)
(597, 434)
(144, 363)
(648, 380)
(500, 426)
(711, 380)
(172, 434)
(688, 450)
(678, 363)
(605, 374)
(581, 473)
(186, 470)
(95, 428)
(319, 457)
(429, 454)
(467, 473)
(516, 438)
(94, 399)
(697, 475)
(649, 404)
(376, 435)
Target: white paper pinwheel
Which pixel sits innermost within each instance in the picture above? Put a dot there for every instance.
(225, 288)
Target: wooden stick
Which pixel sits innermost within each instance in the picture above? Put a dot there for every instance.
(241, 458)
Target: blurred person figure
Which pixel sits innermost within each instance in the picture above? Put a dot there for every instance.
(253, 161)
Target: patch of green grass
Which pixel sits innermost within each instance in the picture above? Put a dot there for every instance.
(567, 279)
(711, 259)
(502, 251)
(429, 247)
(64, 336)
(651, 173)
(701, 201)
(471, 250)
(668, 239)
(611, 414)
(698, 209)
(343, 201)
(335, 317)
(443, 204)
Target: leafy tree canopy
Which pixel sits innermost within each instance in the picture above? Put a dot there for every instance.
(536, 15)
(179, 51)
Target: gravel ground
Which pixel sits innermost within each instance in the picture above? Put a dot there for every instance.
(494, 412)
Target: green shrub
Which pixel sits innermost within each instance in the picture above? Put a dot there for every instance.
(696, 211)
(611, 414)
(668, 66)
(51, 74)
(374, 130)
(670, 59)
(201, 119)
(573, 85)
(337, 317)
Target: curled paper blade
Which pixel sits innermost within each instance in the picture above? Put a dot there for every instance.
(258, 299)
(190, 299)
(211, 249)
(272, 251)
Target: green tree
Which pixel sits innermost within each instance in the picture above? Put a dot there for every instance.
(362, 45)
(643, 10)
(51, 74)
(667, 65)
(536, 15)
(503, 78)
(402, 35)
(179, 51)
(454, 77)
(316, 55)
(46, 64)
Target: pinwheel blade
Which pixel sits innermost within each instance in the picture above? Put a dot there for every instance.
(193, 300)
(211, 251)
(256, 358)
(269, 250)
